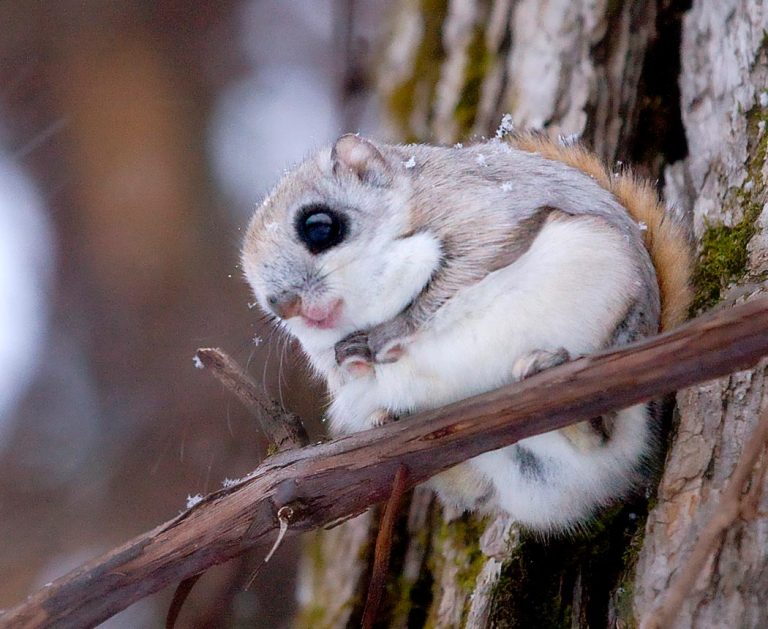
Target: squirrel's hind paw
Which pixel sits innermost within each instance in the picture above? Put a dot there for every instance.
(539, 360)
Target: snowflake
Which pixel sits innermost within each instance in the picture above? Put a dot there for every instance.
(506, 127)
(570, 139)
(193, 500)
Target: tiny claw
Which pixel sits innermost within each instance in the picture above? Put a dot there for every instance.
(391, 352)
(389, 341)
(381, 417)
(357, 368)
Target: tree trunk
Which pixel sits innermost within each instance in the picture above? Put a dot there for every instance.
(723, 182)
(609, 72)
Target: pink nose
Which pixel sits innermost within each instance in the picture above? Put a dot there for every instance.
(285, 306)
(320, 312)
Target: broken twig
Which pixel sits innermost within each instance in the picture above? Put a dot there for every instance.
(283, 429)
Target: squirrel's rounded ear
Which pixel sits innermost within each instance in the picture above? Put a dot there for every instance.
(358, 156)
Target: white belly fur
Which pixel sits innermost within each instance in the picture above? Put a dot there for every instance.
(570, 289)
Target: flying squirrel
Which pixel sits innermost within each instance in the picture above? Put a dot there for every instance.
(414, 276)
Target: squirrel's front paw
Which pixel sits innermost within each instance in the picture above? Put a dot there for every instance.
(387, 342)
(538, 360)
(353, 354)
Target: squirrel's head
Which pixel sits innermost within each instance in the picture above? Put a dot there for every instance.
(334, 248)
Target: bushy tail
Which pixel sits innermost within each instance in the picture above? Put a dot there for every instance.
(665, 239)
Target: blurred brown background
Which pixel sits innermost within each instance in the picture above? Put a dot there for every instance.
(135, 138)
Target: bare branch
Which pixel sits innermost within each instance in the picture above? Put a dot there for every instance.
(325, 482)
(179, 596)
(384, 548)
(283, 429)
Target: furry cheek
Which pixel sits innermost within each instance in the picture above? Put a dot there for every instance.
(384, 285)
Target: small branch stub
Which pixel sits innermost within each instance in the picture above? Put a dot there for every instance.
(283, 429)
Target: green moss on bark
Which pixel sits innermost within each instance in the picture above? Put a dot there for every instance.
(457, 541)
(410, 599)
(723, 257)
(463, 534)
(425, 70)
(316, 615)
(568, 582)
(479, 60)
(723, 253)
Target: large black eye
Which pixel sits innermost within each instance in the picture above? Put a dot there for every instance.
(319, 227)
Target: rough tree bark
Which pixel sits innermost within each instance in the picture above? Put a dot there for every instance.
(608, 71)
(723, 182)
